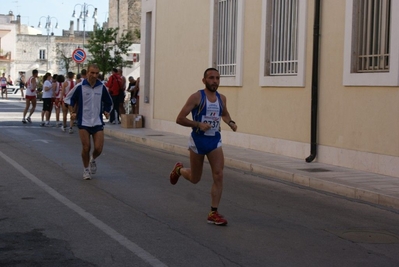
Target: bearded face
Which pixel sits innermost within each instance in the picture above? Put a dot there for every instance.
(212, 80)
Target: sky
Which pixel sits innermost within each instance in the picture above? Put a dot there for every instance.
(33, 11)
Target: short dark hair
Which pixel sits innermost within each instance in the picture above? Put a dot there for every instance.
(60, 78)
(91, 65)
(115, 70)
(35, 72)
(83, 72)
(209, 69)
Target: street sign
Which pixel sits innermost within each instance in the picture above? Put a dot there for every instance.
(79, 55)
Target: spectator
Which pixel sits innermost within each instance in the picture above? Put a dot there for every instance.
(3, 85)
(114, 84)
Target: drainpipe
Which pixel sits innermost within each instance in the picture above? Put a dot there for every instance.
(315, 83)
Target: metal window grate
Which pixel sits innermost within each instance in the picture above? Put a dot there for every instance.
(373, 35)
(226, 59)
(284, 37)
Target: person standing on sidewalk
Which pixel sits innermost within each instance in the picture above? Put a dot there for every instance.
(3, 84)
(208, 107)
(30, 96)
(114, 86)
(122, 93)
(86, 103)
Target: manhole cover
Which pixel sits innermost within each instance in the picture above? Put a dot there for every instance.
(369, 237)
(314, 170)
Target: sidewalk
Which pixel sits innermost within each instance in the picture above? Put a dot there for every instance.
(364, 186)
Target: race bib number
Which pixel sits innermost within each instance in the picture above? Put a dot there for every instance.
(214, 122)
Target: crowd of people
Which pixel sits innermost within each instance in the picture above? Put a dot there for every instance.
(56, 87)
(86, 98)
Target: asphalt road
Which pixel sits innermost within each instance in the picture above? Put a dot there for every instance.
(129, 214)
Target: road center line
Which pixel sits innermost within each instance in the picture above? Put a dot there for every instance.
(133, 247)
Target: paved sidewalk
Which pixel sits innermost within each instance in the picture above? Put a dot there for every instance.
(369, 187)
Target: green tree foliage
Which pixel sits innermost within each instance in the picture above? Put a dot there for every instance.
(107, 48)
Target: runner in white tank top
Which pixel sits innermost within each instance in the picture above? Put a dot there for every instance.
(30, 96)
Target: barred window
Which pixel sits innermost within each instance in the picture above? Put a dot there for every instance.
(371, 48)
(226, 59)
(42, 54)
(373, 27)
(226, 40)
(283, 43)
(283, 47)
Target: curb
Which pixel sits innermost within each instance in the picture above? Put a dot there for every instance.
(295, 178)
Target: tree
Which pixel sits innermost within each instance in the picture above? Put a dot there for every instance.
(65, 60)
(107, 48)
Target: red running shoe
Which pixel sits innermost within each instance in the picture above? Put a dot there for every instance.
(175, 173)
(215, 218)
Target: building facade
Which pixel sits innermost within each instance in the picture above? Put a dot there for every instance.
(298, 75)
(25, 48)
(125, 15)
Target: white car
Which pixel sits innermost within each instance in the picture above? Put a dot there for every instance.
(12, 89)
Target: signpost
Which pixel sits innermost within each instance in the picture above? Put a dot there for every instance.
(79, 56)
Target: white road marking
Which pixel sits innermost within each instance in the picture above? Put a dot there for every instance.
(133, 247)
(42, 140)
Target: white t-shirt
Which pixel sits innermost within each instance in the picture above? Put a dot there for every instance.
(49, 93)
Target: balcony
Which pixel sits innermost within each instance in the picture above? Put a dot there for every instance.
(5, 56)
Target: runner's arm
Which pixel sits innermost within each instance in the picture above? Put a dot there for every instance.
(226, 115)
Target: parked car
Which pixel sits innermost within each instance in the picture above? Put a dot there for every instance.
(12, 89)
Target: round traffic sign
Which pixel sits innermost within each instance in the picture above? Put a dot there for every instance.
(79, 55)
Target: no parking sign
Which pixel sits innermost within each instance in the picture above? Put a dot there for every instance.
(79, 55)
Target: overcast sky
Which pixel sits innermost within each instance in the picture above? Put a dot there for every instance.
(33, 11)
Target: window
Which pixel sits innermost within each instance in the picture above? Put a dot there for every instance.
(42, 54)
(283, 43)
(282, 57)
(371, 45)
(226, 40)
(372, 48)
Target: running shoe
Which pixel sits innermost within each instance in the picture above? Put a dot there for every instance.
(217, 219)
(42, 124)
(86, 174)
(175, 173)
(93, 167)
(63, 128)
(28, 120)
(47, 124)
(70, 130)
(23, 121)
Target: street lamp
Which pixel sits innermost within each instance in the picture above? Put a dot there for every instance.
(84, 14)
(48, 26)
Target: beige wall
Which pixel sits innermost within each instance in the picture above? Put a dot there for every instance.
(356, 118)
(182, 37)
(358, 127)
